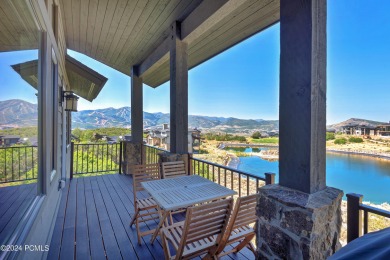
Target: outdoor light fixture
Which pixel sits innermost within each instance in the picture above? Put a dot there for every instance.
(70, 101)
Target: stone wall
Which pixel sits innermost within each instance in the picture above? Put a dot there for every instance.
(295, 225)
(132, 154)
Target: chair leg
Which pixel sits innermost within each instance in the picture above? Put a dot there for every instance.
(164, 241)
(138, 231)
(243, 243)
(134, 217)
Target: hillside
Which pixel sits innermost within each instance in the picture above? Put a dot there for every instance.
(355, 121)
(18, 113)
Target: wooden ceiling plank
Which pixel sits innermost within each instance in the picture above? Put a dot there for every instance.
(9, 30)
(138, 10)
(115, 30)
(101, 11)
(143, 42)
(250, 6)
(158, 36)
(226, 30)
(76, 23)
(67, 7)
(84, 13)
(265, 17)
(137, 28)
(23, 19)
(127, 14)
(93, 6)
(107, 27)
(247, 31)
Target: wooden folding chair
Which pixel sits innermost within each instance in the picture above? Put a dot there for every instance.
(173, 169)
(239, 228)
(201, 231)
(146, 208)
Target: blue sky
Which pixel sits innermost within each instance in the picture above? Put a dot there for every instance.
(243, 81)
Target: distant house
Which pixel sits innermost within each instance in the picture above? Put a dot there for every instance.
(8, 140)
(383, 130)
(160, 137)
(354, 129)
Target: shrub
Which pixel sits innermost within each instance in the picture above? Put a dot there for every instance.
(330, 136)
(340, 141)
(355, 140)
(256, 135)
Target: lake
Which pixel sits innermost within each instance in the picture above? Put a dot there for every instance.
(365, 175)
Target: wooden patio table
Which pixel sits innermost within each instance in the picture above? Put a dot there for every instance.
(182, 192)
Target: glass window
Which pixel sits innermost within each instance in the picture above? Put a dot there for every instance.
(19, 116)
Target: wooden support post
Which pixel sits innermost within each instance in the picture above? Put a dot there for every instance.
(302, 113)
(354, 216)
(136, 107)
(178, 92)
(269, 178)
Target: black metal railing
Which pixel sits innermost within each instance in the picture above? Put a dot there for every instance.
(96, 158)
(18, 163)
(152, 153)
(356, 212)
(242, 182)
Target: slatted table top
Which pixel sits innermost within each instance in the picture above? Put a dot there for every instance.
(181, 192)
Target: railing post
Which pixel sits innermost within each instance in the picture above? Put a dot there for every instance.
(189, 164)
(354, 216)
(269, 178)
(71, 159)
(120, 157)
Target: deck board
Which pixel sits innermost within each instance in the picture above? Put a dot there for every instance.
(93, 222)
(15, 202)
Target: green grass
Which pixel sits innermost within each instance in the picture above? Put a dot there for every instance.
(268, 140)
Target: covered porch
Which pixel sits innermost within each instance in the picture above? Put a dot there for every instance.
(93, 222)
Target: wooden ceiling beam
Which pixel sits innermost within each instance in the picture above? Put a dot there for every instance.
(207, 14)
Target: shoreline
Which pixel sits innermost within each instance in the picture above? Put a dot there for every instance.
(353, 152)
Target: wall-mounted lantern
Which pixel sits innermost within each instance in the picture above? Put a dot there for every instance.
(70, 101)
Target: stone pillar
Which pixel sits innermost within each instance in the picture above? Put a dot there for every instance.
(301, 217)
(132, 154)
(296, 225)
(178, 92)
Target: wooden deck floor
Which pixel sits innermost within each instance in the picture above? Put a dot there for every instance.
(14, 202)
(93, 223)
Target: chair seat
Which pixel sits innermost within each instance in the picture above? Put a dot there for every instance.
(174, 233)
(146, 203)
(240, 232)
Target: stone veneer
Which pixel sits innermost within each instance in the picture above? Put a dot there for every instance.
(173, 157)
(295, 225)
(132, 153)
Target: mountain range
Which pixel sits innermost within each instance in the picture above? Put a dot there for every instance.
(19, 113)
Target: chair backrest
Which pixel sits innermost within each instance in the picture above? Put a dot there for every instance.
(144, 172)
(244, 213)
(173, 169)
(205, 221)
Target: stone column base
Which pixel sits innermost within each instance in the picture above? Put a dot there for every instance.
(295, 225)
(173, 157)
(132, 153)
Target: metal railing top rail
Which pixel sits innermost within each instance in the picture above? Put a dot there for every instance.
(377, 211)
(230, 169)
(155, 147)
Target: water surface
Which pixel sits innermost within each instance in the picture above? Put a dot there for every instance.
(365, 175)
